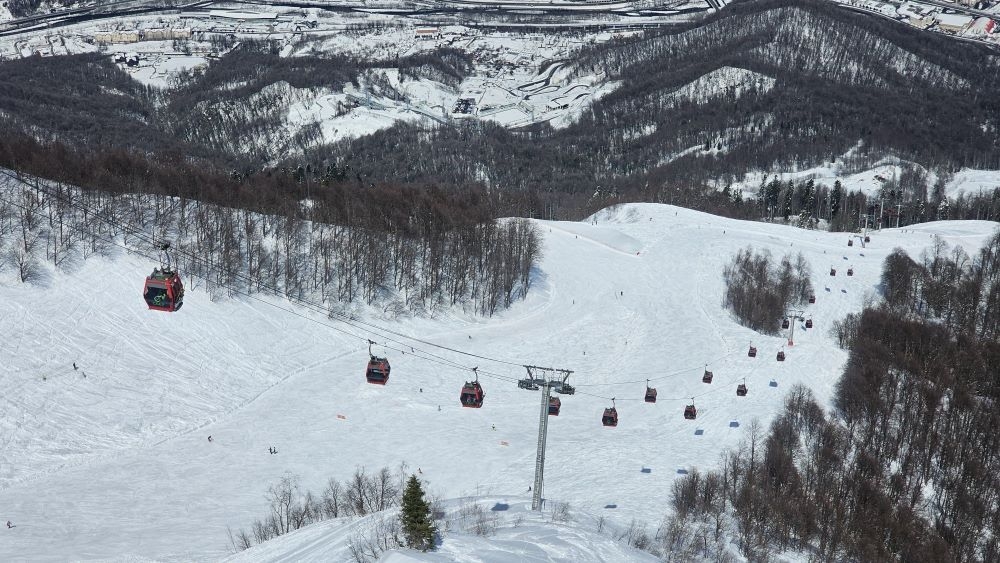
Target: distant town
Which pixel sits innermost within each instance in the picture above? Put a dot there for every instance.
(974, 20)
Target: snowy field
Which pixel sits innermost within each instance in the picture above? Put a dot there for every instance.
(534, 539)
(117, 464)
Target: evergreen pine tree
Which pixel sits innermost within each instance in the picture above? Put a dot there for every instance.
(416, 517)
(835, 197)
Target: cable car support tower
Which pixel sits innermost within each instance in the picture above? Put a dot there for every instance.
(793, 315)
(546, 379)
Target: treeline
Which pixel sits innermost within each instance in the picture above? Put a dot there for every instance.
(948, 286)
(759, 291)
(414, 251)
(290, 508)
(904, 469)
(22, 8)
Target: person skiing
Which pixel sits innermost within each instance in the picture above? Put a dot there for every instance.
(9, 525)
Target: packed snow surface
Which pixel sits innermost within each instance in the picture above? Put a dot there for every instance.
(522, 535)
(117, 464)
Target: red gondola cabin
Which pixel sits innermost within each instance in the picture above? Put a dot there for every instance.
(554, 405)
(809, 323)
(706, 377)
(752, 352)
(781, 355)
(472, 395)
(812, 298)
(163, 290)
(690, 413)
(610, 417)
(868, 238)
(850, 271)
(650, 395)
(850, 242)
(378, 370)
(784, 323)
(833, 272)
(741, 390)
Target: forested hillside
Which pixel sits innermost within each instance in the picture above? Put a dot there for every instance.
(761, 87)
(420, 251)
(905, 466)
(796, 84)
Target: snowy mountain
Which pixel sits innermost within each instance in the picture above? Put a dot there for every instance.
(112, 460)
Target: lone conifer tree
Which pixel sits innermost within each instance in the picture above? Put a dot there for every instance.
(416, 517)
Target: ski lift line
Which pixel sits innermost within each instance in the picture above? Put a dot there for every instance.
(640, 399)
(664, 376)
(685, 398)
(141, 235)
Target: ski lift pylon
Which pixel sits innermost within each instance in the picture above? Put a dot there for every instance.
(528, 382)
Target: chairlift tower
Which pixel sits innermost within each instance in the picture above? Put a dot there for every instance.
(794, 315)
(555, 379)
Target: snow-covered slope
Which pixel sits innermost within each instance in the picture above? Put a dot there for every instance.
(117, 463)
(521, 535)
